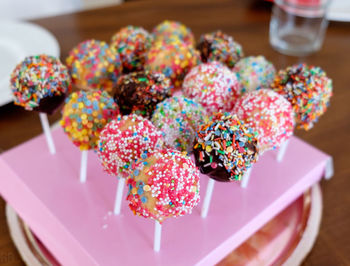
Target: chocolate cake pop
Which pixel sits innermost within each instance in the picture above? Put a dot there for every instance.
(124, 140)
(94, 65)
(163, 184)
(254, 73)
(84, 116)
(139, 92)
(218, 46)
(179, 118)
(40, 83)
(132, 44)
(212, 85)
(225, 148)
(308, 89)
(267, 113)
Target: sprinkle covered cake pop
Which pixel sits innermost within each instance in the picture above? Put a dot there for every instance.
(179, 118)
(308, 89)
(212, 85)
(84, 116)
(132, 44)
(254, 73)
(173, 29)
(140, 92)
(40, 83)
(218, 46)
(225, 148)
(163, 184)
(124, 140)
(94, 65)
(267, 113)
(173, 59)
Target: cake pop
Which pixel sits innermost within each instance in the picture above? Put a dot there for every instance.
(132, 44)
(40, 83)
(124, 140)
(212, 85)
(179, 118)
(225, 148)
(170, 29)
(163, 184)
(254, 73)
(94, 65)
(267, 113)
(139, 92)
(308, 89)
(173, 59)
(218, 46)
(83, 118)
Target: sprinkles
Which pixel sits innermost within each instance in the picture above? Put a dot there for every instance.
(84, 116)
(218, 46)
(225, 148)
(254, 73)
(94, 65)
(179, 118)
(308, 89)
(268, 113)
(173, 30)
(37, 78)
(124, 140)
(212, 85)
(163, 184)
(174, 59)
(132, 44)
(139, 92)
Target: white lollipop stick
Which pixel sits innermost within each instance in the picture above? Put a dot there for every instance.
(282, 151)
(157, 236)
(119, 196)
(83, 166)
(207, 199)
(245, 178)
(47, 131)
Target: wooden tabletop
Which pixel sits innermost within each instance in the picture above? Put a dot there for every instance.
(248, 22)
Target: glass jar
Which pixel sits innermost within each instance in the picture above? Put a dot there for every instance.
(297, 27)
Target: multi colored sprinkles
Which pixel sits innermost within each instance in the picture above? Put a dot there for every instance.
(139, 92)
(308, 89)
(225, 148)
(38, 77)
(94, 65)
(179, 118)
(212, 85)
(163, 184)
(84, 116)
(218, 46)
(132, 44)
(254, 73)
(268, 113)
(174, 59)
(124, 140)
(173, 29)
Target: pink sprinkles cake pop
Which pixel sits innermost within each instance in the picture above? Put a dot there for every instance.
(163, 184)
(124, 140)
(267, 113)
(212, 85)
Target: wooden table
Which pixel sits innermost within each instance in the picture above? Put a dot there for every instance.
(248, 22)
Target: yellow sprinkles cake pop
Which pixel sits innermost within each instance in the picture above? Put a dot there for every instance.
(84, 116)
(94, 65)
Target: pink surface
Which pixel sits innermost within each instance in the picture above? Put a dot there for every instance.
(75, 223)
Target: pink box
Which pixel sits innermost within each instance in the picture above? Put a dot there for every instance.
(75, 221)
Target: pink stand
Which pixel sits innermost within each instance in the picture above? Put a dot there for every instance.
(76, 223)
